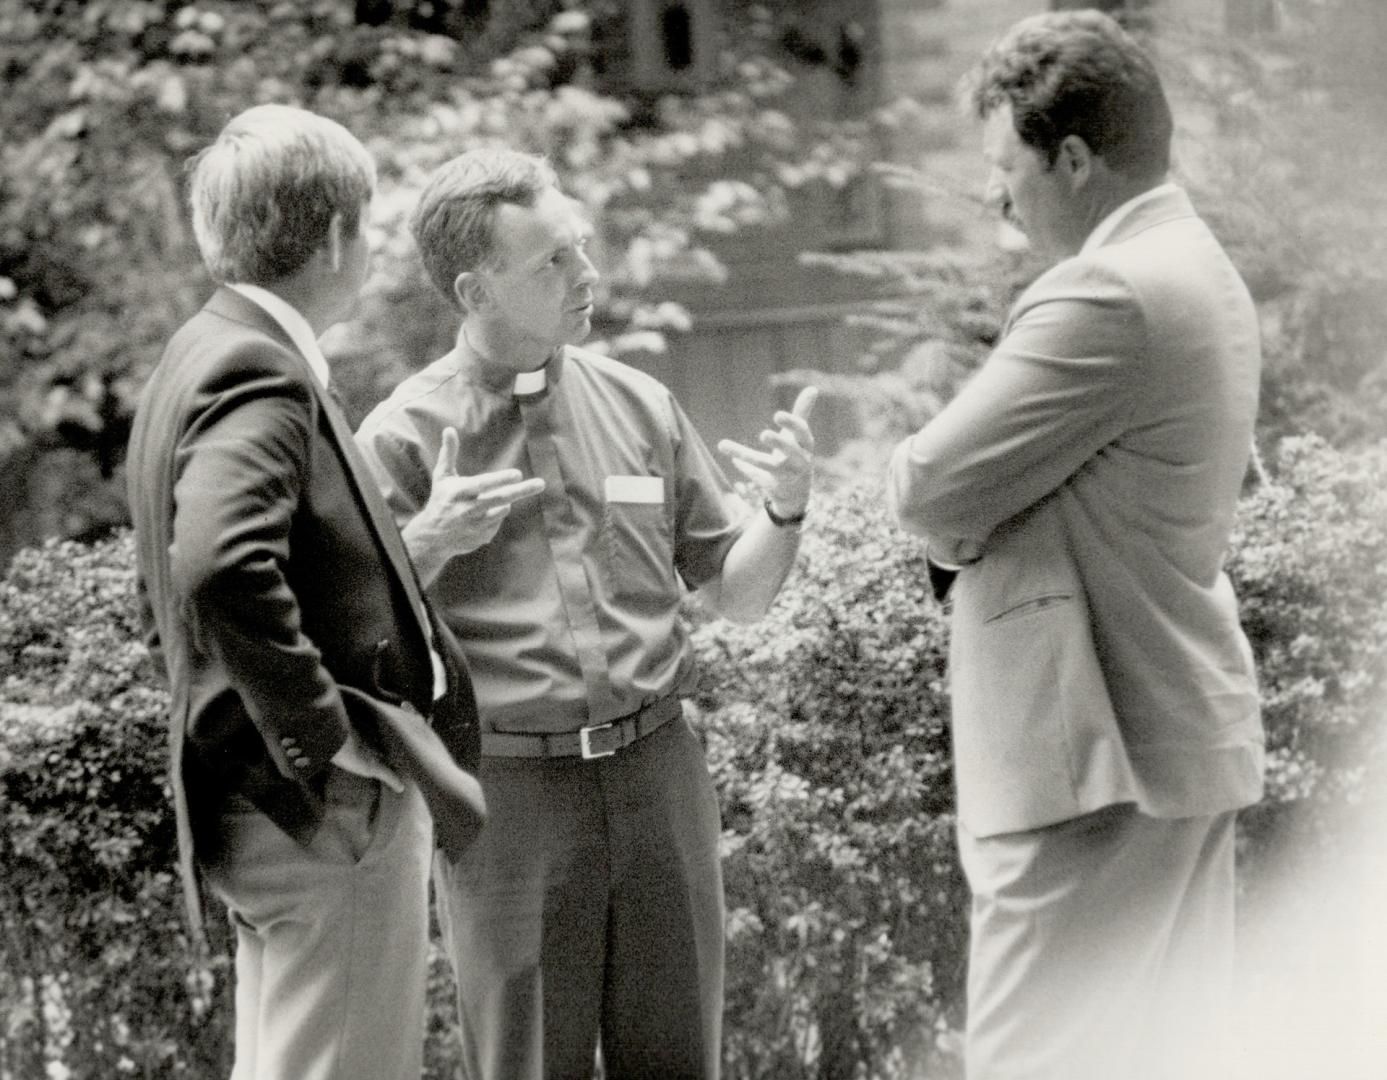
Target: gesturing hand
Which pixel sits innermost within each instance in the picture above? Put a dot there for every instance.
(464, 512)
(784, 471)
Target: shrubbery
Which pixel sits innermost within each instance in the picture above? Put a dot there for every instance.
(826, 726)
(96, 975)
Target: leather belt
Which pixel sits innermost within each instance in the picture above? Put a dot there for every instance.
(593, 741)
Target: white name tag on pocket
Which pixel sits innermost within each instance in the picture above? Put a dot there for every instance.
(635, 489)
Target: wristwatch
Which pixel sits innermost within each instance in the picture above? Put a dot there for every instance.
(779, 520)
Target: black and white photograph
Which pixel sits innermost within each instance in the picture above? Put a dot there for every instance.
(693, 539)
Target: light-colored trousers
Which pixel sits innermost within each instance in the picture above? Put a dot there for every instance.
(331, 939)
(1101, 948)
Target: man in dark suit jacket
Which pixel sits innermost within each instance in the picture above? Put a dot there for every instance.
(1105, 712)
(302, 658)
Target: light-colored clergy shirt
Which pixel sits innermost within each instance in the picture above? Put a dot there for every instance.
(570, 614)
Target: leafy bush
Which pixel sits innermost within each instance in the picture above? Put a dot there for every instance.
(1309, 564)
(96, 966)
(826, 726)
(98, 977)
(827, 733)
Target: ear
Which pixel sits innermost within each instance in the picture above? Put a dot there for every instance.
(1076, 161)
(471, 291)
(334, 242)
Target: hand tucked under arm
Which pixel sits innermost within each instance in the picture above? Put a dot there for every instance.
(355, 757)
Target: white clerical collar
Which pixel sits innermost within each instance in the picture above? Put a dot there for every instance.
(1109, 224)
(293, 323)
(530, 382)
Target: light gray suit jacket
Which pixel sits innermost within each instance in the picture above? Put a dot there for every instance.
(1096, 655)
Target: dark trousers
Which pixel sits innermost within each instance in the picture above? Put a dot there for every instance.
(591, 904)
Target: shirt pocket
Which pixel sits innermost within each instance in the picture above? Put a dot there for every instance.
(638, 540)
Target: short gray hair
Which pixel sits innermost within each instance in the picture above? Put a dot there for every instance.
(453, 222)
(263, 194)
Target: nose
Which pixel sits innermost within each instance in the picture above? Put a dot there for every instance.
(995, 192)
(587, 272)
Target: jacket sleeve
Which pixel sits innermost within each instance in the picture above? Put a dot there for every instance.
(1059, 388)
(240, 471)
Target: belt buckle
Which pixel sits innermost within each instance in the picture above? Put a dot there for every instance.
(585, 741)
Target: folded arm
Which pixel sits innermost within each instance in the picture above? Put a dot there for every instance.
(1058, 389)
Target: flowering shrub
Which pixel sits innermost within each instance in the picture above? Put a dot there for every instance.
(826, 727)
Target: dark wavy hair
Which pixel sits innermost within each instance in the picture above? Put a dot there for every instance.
(1079, 73)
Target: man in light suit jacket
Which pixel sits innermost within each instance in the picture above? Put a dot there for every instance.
(1082, 485)
(302, 658)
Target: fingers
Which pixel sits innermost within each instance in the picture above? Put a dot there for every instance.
(758, 477)
(474, 487)
(793, 426)
(501, 498)
(740, 453)
(447, 463)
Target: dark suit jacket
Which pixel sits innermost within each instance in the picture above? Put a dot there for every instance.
(270, 576)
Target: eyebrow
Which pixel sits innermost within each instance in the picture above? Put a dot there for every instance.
(585, 231)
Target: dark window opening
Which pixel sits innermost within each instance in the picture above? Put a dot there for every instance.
(676, 28)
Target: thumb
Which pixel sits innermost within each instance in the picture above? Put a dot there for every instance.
(804, 403)
(447, 464)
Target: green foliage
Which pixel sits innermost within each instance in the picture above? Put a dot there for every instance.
(96, 967)
(827, 733)
(106, 100)
(826, 726)
(1260, 115)
(1309, 564)
(98, 977)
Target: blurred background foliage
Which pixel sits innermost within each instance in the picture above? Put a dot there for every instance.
(105, 100)
(827, 724)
